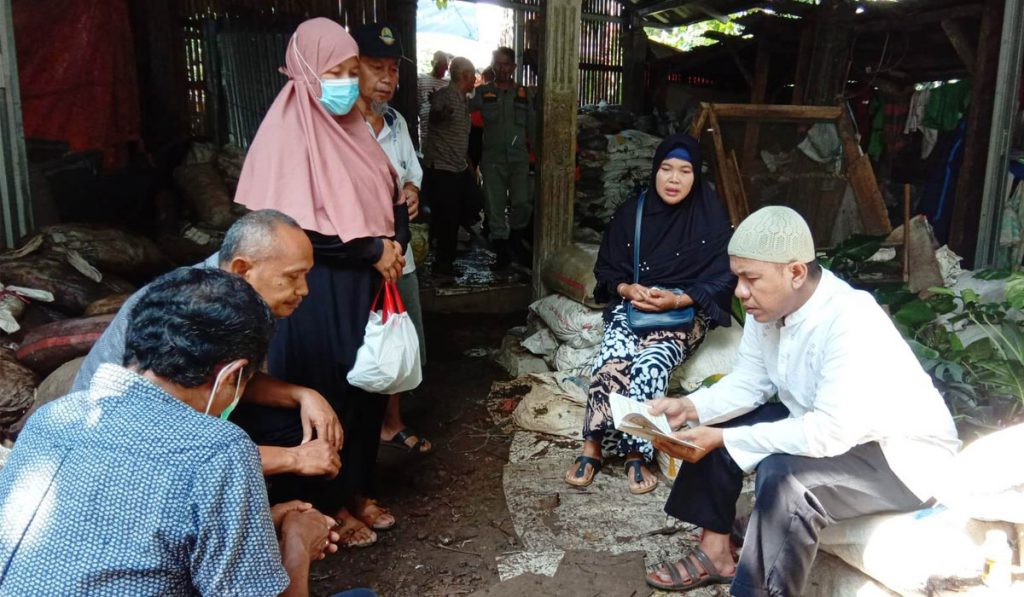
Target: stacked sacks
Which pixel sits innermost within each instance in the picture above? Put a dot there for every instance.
(568, 334)
(610, 169)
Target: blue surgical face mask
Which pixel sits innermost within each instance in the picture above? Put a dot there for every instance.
(339, 95)
(216, 386)
(336, 95)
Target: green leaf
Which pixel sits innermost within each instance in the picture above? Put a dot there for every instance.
(941, 290)
(942, 304)
(970, 297)
(955, 343)
(922, 351)
(914, 314)
(858, 247)
(738, 312)
(1015, 291)
(992, 274)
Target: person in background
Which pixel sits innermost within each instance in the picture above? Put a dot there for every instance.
(380, 55)
(509, 118)
(426, 85)
(448, 182)
(476, 133)
(184, 508)
(270, 251)
(683, 234)
(858, 429)
(314, 159)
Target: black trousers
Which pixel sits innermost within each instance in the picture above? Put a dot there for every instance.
(454, 199)
(795, 498)
(361, 417)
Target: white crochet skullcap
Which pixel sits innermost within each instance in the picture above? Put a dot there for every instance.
(775, 234)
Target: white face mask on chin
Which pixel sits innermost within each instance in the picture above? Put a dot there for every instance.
(216, 386)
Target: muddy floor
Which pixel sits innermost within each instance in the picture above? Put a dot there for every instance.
(452, 518)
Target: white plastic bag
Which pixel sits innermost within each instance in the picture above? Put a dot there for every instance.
(388, 362)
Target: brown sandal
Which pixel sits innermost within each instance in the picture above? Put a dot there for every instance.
(371, 513)
(348, 526)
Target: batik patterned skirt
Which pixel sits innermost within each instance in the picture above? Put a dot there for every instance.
(637, 366)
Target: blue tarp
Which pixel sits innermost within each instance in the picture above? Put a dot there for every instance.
(458, 19)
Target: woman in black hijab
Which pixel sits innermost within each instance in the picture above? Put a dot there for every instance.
(684, 235)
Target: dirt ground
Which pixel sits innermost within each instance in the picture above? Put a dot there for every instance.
(452, 517)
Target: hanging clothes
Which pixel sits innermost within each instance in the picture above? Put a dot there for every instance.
(947, 104)
(915, 121)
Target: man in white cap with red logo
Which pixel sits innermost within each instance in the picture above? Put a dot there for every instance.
(858, 427)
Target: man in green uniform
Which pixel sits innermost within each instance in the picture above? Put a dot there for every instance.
(508, 113)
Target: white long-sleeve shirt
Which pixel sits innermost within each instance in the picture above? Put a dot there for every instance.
(847, 377)
(395, 140)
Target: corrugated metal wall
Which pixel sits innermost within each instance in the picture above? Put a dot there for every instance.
(233, 50)
(15, 204)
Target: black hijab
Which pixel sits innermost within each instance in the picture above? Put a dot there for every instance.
(681, 246)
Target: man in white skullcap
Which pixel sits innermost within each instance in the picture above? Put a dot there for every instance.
(858, 428)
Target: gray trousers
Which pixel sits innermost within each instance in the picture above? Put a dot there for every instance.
(506, 184)
(795, 498)
(409, 289)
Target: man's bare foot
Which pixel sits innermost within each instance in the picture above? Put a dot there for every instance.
(709, 563)
(352, 532)
(374, 516)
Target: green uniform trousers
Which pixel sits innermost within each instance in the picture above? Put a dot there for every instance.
(506, 185)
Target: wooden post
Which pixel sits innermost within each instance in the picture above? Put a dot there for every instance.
(833, 39)
(862, 178)
(634, 64)
(967, 205)
(955, 32)
(803, 60)
(402, 17)
(758, 94)
(559, 76)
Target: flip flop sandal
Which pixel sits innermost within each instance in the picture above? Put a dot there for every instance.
(580, 478)
(709, 576)
(638, 477)
(399, 439)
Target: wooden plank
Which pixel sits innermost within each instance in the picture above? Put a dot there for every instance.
(758, 94)
(777, 112)
(740, 199)
(861, 175)
(957, 36)
(869, 197)
(803, 63)
(963, 230)
(723, 174)
(700, 119)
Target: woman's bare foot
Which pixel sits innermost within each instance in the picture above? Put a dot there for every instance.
(641, 479)
(372, 515)
(352, 532)
(583, 469)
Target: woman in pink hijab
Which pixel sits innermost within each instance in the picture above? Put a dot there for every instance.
(314, 159)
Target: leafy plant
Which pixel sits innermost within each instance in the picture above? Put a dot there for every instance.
(847, 259)
(974, 350)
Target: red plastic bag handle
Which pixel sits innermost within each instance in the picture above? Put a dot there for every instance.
(392, 301)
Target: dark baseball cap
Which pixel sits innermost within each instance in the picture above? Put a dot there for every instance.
(378, 40)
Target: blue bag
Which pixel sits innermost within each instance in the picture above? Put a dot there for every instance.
(645, 321)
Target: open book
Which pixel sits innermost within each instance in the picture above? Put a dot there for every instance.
(633, 418)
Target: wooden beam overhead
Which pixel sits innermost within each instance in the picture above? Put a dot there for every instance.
(662, 6)
(777, 112)
(907, 22)
(957, 36)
